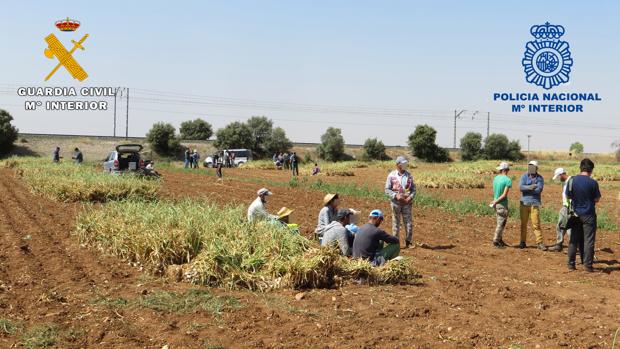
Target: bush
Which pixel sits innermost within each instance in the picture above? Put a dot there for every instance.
(497, 147)
(196, 130)
(332, 145)
(422, 144)
(162, 139)
(373, 149)
(8, 132)
(234, 135)
(278, 142)
(471, 146)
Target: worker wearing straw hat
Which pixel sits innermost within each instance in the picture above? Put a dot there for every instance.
(327, 213)
(257, 210)
(400, 188)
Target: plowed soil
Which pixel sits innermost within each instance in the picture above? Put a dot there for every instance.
(472, 295)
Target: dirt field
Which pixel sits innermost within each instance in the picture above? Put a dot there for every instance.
(472, 295)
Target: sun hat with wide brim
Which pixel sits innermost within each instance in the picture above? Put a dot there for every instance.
(284, 211)
(329, 197)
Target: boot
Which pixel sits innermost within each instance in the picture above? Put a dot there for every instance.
(557, 248)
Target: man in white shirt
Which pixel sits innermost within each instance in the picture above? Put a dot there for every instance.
(399, 186)
(257, 210)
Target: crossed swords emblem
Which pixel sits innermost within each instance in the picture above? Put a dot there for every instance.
(57, 49)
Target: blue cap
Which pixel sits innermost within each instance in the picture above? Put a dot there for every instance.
(376, 213)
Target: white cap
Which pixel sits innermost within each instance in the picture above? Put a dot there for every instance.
(503, 166)
(533, 162)
(263, 191)
(558, 171)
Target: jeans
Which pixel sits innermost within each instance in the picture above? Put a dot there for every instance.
(404, 212)
(583, 236)
(186, 164)
(534, 212)
(295, 168)
(501, 213)
(560, 232)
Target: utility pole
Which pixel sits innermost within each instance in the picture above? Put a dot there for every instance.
(457, 114)
(488, 123)
(528, 147)
(127, 117)
(115, 95)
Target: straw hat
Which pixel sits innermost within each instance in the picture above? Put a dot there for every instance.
(284, 211)
(328, 198)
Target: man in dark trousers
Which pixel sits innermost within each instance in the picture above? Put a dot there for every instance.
(294, 164)
(368, 242)
(584, 194)
(56, 155)
(77, 156)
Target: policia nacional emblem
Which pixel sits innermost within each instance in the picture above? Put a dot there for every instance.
(65, 58)
(547, 59)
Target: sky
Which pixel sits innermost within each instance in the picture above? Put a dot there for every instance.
(371, 68)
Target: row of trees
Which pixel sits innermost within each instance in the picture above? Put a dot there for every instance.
(496, 147)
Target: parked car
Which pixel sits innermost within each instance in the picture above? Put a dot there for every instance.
(126, 158)
(241, 157)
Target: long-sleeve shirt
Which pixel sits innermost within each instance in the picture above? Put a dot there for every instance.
(326, 216)
(397, 183)
(531, 197)
(368, 241)
(257, 211)
(335, 231)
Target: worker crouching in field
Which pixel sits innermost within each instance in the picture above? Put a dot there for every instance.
(327, 213)
(369, 240)
(501, 186)
(336, 232)
(531, 186)
(257, 210)
(284, 215)
(400, 188)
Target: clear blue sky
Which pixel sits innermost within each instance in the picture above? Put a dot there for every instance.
(429, 57)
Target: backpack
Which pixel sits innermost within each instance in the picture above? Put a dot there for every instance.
(570, 219)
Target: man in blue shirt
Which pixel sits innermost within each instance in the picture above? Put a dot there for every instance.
(531, 186)
(584, 193)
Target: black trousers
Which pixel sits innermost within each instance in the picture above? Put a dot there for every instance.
(582, 237)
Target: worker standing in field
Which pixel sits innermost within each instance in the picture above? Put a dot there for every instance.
(218, 170)
(501, 186)
(531, 186)
(563, 216)
(186, 158)
(294, 164)
(257, 210)
(56, 155)
(77, 156)
(327, 214)
(399, 186)
(369, 241)
(584, 193)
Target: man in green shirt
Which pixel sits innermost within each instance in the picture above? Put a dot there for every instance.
(501, 186)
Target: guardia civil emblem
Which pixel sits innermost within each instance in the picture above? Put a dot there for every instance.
(547, 59)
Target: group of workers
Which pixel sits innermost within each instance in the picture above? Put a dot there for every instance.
(336, 225)
(191, 158)
(577, 217)
(77, 156)
(287, 162)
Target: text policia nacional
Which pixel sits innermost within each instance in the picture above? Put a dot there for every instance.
(557, 101)
(65, 92)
